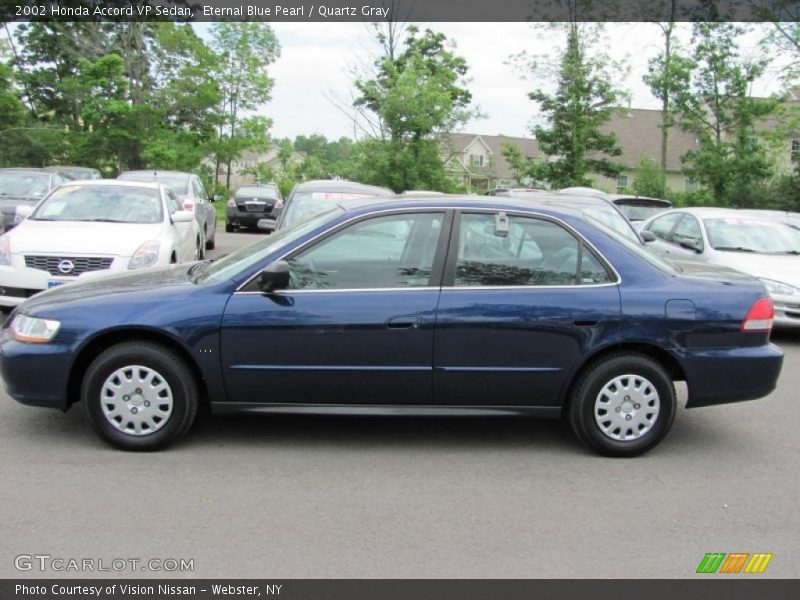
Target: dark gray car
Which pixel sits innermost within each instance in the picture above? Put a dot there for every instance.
(25, 187)
(192, 194)
(313, 197)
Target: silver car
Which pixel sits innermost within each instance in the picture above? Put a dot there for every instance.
(751, 244)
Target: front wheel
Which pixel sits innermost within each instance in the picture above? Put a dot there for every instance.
(623, 405)
(140, 396)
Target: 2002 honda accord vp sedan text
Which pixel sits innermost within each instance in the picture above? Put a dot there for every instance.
(472, 306)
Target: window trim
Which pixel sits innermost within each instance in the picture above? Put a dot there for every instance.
(668, 239)
(684, 217)
(451, 265)
(438, 255)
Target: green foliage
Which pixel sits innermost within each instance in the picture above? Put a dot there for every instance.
(582, 103)
(520, 166)
(732, 162)
(649, 179)
(415, 95)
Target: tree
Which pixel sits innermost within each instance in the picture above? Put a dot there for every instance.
(244, 52)
(649, 179)
(520, 166)
(784, 35)
(582, 103)
(667, 75)
(722, 114)
(417, 95)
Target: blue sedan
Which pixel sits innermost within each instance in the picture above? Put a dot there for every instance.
(461, 306)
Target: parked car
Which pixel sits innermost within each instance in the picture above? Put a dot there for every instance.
(639, 208)
(761, 248)
(792, 219)
(192, 193)
(584, 191)
(77, 173)
(534, 311)
(25, 187)
(252, 203)
(90, 228)
(313, 197)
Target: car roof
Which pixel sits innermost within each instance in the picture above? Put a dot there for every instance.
(59, 167)
(155, 172)
(118, 182)
(25, 170)
(616, 197)
(341, 185)
(710, 212)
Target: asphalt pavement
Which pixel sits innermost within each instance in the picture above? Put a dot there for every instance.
(288, 496)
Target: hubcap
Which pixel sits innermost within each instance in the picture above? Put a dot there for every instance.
(136, 400)
(626, 408)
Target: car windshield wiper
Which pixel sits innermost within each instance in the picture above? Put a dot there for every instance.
(104, 221)
(792, 252)
(734, 248)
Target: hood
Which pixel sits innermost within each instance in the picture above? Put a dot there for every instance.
(127, 283)
(778, 267)
(75, 237)
(9, 203)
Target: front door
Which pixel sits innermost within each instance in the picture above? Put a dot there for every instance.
(355, 325)
(521, 302)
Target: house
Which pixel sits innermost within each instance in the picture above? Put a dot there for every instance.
(241, 168)
(477, 161)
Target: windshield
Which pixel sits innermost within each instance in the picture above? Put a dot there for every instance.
(641, 212)
(305, 205)
(24, 184)
(178, 184)
(234, 263)
(612, 220)
(256, 192)
(740, 235)
(102, 203)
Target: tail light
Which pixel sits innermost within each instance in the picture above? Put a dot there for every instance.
(231, 203)
(760, 316)
(188, 205)
(278, 203)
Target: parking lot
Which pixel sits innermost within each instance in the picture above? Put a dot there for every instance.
(300, 496)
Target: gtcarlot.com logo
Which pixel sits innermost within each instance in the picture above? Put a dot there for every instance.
(46, 562)
(734, 562)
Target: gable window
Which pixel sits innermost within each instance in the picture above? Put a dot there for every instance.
(795, 150)
(622, 183)
(476, 160)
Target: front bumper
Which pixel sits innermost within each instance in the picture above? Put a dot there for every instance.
(19, 282)
(724, 375)
(241, 218)
(36, 374)
(787, 311)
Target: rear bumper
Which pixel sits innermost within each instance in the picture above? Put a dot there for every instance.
(724, 375)
(241, 218)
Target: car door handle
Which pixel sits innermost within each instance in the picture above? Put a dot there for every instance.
(403, 322)
(586, 322)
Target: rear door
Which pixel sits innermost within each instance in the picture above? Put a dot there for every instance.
(517, 310)
(356, 324)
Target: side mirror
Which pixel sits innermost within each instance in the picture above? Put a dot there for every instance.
(692, 245)
(24, 211)
(275, 276)
(647, 236)
(182, 216)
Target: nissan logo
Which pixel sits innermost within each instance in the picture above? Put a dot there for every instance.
(66, 266)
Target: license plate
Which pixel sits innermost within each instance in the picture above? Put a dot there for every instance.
(51, 283)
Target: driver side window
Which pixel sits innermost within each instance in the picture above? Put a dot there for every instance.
(394, 251)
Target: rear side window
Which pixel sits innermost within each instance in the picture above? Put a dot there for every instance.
(535, 252)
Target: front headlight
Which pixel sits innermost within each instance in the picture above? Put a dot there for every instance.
(5, 251)
(780, 288)
(145, 256)
(33, 330)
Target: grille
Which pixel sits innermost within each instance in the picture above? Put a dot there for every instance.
(80, 264)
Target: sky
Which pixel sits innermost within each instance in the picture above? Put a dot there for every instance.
(317, 58)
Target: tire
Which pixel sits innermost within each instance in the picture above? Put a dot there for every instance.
(628, 424)
(138, 423)
(201, 250)
(229, 228)
(210, 243)
(6, 310)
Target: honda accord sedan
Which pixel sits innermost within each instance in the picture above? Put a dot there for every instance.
(424, 306)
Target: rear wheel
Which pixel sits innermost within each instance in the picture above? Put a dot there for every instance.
(210, 243)
(140, 396)
(623, 405)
